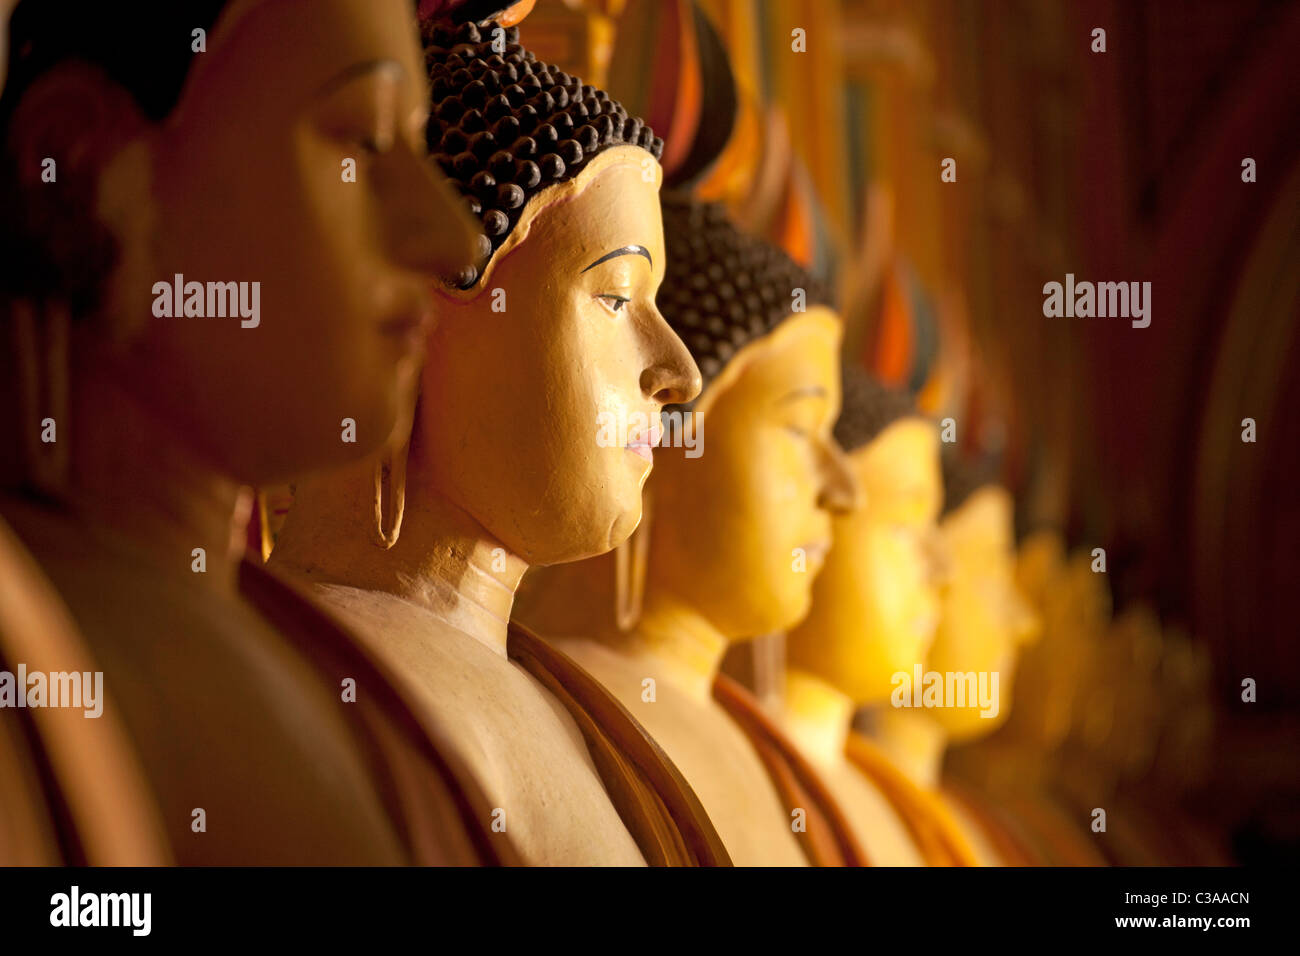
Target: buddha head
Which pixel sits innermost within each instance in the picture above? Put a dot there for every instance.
(230, 203)
(876, 602)
(744, 489)
(983, 619)
(553, 330)
(1073, 605)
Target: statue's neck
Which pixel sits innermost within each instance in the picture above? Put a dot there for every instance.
(683, 643)
(817, 717)
(444, 560)
(133, 475)
(914, 742)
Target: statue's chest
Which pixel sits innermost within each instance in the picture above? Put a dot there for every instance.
(530, 759)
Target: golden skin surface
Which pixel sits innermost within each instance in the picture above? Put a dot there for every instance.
(984, 620)
(344, 267)
(167, 417)
(505, 469)
(874, 613)
(876, 602)
(983, 623)
(519, 393)
(721, 568)
(730, 523)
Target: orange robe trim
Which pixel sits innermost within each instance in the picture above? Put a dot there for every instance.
(657, 805)
(1012, 848)
(827, 839)
(937, 834)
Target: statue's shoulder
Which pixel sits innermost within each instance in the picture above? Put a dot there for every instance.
(111, 814)
(652, 796)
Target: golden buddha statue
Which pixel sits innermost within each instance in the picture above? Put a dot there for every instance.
(136, 427)
(742, 498)
(551, 332)
(1137, 721)
(1018, 767)
(875, 608)
(983, 622)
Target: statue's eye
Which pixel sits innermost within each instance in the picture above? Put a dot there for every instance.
(614, 303)
(374, 145)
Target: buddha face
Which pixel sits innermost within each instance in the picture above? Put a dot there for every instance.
(559, 336)
(741, 530)
(876, 603)
(983, 620)
(249, 180)
(1042, 716)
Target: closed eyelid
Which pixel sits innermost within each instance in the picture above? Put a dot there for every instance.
(808, 391)
(372, 68)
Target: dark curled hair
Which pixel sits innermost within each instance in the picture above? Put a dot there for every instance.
(962, 477)
(723, 288)
(505, 126)
(49, 244)
(867, 408)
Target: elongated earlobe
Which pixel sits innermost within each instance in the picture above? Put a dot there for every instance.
(41, 347)
(629, 571)
(390, 494)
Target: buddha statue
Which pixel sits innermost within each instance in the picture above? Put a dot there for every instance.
(550, 334)
(1018, 768)
(983, 623)
(203, 154)
(875, 608)
(1116, 752)
(737, 525)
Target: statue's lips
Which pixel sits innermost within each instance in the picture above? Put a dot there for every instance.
(644, 444)
(816, 551)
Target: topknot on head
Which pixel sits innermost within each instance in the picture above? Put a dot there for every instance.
(723, 287)
(504, 126)
(867, 408)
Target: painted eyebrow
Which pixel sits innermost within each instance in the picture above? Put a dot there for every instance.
(625, 251)
(808, 391)
(358, 70)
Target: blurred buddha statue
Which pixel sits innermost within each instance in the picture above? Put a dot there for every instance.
(875, 609)
(181, 323)
(1018, 767)
(983, 622)
(552, 334)
(1185, 751)
(742, 498)
(1133, 709)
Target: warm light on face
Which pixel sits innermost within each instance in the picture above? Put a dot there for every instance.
(984, 620)
(741, 531)
(264, 194)
(875, 604)
(561, 334)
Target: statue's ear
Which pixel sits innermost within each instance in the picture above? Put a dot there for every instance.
(77, 117)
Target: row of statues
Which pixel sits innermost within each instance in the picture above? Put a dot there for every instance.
(530, 445)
